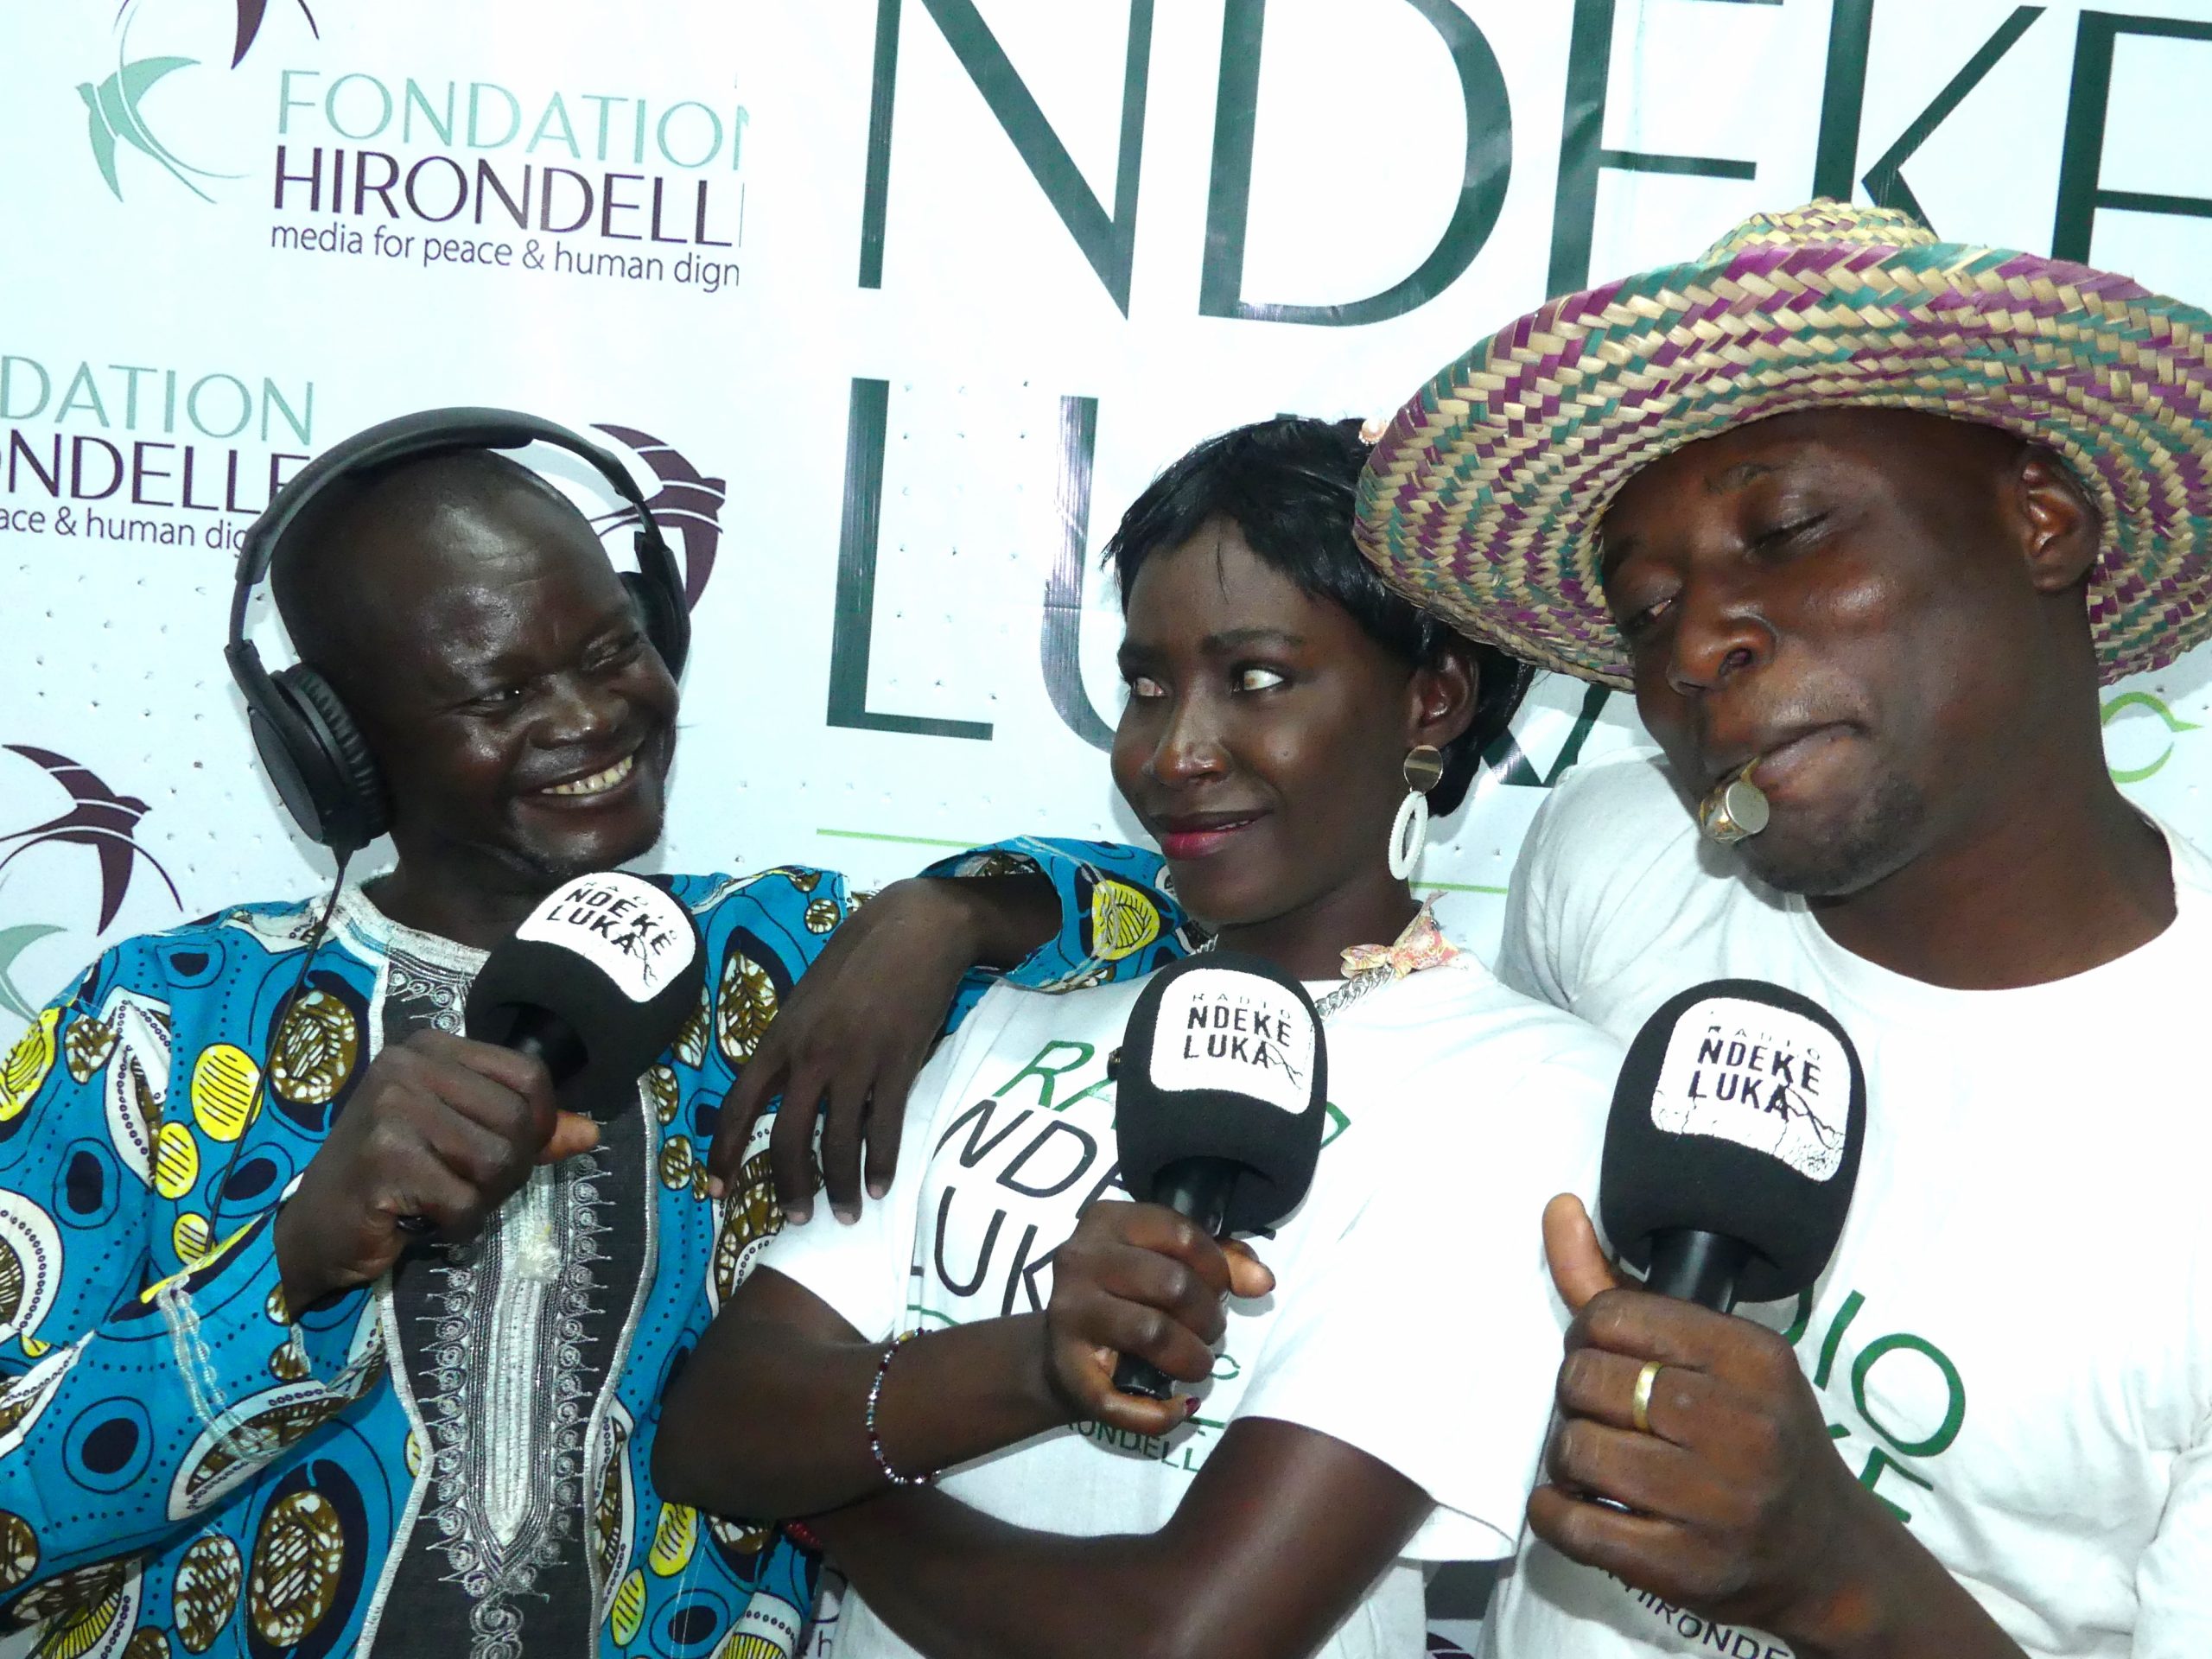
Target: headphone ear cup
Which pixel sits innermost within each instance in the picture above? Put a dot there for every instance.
(289, 755)
(662, 615)
(334, 771)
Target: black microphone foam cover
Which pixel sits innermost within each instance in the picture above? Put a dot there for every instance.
(1222, 1059)
(616, 960)
(1739, 1112)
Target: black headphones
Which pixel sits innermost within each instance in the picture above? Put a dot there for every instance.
(322, 769)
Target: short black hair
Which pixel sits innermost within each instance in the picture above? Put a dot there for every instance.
(1288, 486)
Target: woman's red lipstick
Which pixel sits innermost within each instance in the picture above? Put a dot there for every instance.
(1197, 837)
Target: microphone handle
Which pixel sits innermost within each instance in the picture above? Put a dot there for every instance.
(1197, 1188)
(1691, 1266)
(1697, 1267)
(548, 1039)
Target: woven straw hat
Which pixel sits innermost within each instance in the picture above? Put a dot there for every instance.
(1483, 499)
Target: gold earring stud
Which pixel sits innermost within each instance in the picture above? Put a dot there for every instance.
(1424, 767)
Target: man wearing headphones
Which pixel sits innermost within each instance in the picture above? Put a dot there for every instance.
(323, 1331)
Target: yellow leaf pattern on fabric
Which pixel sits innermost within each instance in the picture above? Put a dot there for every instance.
(27, 1064)
(176, 1160)
(1122, 921)
(223, 1080)
(627, 1610)
(190, 1235)
(676, 1537)
(78, 1608)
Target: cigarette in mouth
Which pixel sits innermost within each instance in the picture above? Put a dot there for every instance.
(1734, 808)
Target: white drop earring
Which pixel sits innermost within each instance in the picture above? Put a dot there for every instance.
(1424, 766)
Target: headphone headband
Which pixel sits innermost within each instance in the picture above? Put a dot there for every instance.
(429, 431)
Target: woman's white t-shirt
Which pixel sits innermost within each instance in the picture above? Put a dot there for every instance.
(2013, 1342)
(1413, 1316)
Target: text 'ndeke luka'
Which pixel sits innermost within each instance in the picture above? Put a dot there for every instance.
(1748, 1068)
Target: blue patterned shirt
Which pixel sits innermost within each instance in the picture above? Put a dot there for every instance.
(184, 1466)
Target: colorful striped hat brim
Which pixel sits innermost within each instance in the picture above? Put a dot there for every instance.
(1483, 499)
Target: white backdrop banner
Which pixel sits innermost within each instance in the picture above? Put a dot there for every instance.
(894, 305)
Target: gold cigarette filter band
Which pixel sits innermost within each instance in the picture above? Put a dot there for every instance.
(1735, 808)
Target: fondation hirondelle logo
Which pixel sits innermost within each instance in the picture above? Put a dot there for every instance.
(351, 148)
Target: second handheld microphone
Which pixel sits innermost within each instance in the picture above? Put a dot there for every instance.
(1221, 1100)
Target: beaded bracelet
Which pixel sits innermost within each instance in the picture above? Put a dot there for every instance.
(802, 1535)
(874, 1397)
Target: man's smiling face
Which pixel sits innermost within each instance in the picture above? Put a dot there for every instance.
(523, 724)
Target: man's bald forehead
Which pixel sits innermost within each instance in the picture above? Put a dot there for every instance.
(371, 549)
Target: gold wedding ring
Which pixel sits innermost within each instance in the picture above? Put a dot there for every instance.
(1640, 1410)
(1736, 809)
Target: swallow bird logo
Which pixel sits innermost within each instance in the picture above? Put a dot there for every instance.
(250, 12)
(687, 504)
(112, 113)
(114, 110)
(98, 818)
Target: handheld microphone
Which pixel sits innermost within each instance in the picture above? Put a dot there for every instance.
(1221, 1088)
(595, 983)
(1732, 1148)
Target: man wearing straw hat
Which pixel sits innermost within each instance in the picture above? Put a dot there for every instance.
(1866, 520)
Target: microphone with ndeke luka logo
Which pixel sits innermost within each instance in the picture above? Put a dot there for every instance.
(1220, 1102)
(595, 983)
(1732, 1148)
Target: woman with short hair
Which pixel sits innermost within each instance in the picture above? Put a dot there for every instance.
(1376, 1395)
